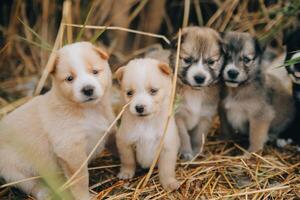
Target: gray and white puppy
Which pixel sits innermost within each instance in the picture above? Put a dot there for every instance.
(254, 102)
(201, 61)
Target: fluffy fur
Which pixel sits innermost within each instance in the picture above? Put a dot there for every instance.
(292, 42)
(56, 131)
(146, 84)
(254, 102)
(201, 60)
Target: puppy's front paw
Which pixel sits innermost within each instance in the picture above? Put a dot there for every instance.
(253, 149)
(171, 185)
(126, 174)
(187, 156)
(246, 155)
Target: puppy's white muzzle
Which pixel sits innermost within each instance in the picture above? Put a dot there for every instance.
(141, 105)
(197, 76)
(87, 89)
(233, 76)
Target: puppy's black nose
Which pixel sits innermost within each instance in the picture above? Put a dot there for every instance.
(199, 79)
(232, 73)
(88, 90)
(139, 108)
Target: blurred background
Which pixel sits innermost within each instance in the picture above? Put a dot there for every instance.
(28, 30)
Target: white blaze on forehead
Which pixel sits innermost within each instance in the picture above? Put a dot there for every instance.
(75, 54)
(230, 66)
(142, 73)
(78, 64)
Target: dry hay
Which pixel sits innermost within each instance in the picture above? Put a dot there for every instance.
(223, 171)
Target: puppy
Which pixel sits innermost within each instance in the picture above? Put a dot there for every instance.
(201, 61)
(254, 102)
(147, 84)
(57, 130)
(292, 42)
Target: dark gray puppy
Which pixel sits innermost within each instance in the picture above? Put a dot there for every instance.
(253, 102)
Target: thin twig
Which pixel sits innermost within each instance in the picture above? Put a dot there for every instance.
(170, 113)
(254, 192)
(122, 29)
(69, 182)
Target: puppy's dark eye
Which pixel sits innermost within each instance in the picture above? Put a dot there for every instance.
(153, 91)
(69, 78)
(246, 60)
(95, 71)
(210, 62)
(188, 60)
(129, 93)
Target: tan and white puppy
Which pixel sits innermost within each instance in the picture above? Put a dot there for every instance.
(147, 84)
(57, 131)
(201, 60)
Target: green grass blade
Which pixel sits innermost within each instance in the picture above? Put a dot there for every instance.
(78, 38)
(290, 62)
(138, 9)
(34, 33)
(97, 35)
(178, 101)
(35, 43)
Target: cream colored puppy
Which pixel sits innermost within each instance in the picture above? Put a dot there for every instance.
(57, 131)
(147, 84)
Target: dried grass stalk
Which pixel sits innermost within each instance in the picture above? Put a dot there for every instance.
(170, 114)
(121, 29)
(71, 179)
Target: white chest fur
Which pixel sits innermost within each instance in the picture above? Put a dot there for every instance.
(146, 146)
(68, 128)
(147, 142)
(194, 106)
(236, 114)
(144, 135)
(93, 125)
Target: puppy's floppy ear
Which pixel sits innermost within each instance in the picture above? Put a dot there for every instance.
(222, 34)
(119, 74)
(223, 47)
(174, 40)
(173, 44)
(259, 48)
(102, 53)
(165, 68)
(222, 43)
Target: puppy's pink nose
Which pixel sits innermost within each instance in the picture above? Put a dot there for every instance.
(140, 108)
(88, 90)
